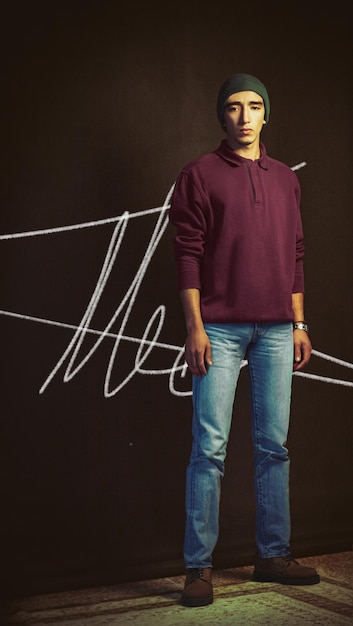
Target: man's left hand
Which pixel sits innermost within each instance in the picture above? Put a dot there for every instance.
(302, 349)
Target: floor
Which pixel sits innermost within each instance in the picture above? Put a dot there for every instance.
(238, 600)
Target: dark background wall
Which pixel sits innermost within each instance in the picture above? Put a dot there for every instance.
(102, 105)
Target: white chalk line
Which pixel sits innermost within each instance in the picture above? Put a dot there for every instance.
(299, 166)
(110, 220)
(168, 346)
(60, 229)
(324, 379)
(92, 331)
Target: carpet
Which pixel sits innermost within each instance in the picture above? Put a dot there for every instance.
(237, 600)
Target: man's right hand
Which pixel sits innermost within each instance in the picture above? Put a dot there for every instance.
(197, 346)
(198, 352)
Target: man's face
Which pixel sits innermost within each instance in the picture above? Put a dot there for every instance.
(244, 114)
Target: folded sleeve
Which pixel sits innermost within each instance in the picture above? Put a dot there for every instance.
(187, 215)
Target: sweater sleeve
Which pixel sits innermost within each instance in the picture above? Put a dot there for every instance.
(188, 217)
(298, 284)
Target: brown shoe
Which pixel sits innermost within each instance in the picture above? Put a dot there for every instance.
(198, 590)
(285, 570)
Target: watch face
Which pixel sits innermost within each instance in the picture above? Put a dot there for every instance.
(301, 326)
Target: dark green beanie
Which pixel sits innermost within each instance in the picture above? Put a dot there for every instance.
(241, 82)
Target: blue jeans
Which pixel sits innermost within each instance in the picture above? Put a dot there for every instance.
(269, 351)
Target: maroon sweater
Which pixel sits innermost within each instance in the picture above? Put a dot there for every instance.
(239, 237)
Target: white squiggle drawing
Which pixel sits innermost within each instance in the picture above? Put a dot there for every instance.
(145, 344)
(179, 350)
(149, 340)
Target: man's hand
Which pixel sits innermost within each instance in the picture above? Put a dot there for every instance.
(198, 352)
(302, 349)
(197, 345)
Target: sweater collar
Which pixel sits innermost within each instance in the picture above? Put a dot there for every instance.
(226, 153)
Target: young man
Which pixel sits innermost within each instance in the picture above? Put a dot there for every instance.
(239, 259)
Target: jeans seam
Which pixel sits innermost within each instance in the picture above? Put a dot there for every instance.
(258, 486)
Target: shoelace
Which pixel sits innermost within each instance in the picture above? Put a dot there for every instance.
(196, 572)
(287, 560)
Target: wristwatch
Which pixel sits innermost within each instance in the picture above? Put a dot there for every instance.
(300, 326)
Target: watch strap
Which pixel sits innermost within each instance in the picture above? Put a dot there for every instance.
(300, 326)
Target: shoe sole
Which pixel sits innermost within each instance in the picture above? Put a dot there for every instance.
(262, 578)
(193, 602)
